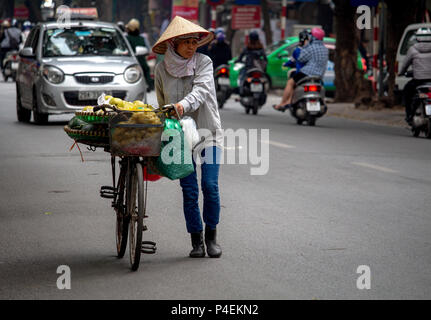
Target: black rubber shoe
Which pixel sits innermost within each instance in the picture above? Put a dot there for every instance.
(198, 246)
(213, 249)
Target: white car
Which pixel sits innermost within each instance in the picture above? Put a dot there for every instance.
(63, 69)
(407, 40)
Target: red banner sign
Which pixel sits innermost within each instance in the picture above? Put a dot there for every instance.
(188, 9)
(246, 17)
(21, 12)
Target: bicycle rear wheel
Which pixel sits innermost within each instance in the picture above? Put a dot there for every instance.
(135, 207)
(123, 218)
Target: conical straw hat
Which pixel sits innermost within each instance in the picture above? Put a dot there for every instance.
(180, 27)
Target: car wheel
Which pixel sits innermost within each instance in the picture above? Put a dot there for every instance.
(38, 117)
(23, 115)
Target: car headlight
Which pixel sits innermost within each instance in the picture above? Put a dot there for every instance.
(53, 74)
(132, 74)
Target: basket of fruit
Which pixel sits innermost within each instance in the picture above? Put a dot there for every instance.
(136, 133)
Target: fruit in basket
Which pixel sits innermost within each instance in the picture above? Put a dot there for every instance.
(88, 109)
(135, 138)
(117, 102)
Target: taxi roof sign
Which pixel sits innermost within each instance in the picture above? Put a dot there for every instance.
(76, 13)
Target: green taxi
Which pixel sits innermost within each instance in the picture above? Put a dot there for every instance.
(279, 53)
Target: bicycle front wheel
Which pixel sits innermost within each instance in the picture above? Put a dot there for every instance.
(136, 207)
(123, 218)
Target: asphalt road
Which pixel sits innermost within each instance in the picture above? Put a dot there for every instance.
(336, 196)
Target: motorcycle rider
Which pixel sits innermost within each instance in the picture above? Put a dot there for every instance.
(314, 56)
(293, 62)
(419, 56)
(9, 40)
(220, 52)
(255, 56)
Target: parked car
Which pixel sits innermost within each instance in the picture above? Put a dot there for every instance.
(63, 69)
(407, 40)
(280, 53)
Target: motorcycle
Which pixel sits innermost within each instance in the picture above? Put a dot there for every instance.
(10, 64)
(222, 84)
(422, 109)
(253, 90)
(308, 101)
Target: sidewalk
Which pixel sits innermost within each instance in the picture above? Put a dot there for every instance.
(390, 117)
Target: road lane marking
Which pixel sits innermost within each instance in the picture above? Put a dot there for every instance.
(373, 166)
(278, 144)
(233, 148)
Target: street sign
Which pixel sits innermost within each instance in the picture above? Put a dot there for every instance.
(21, 12)
(246, 17)
(187, 9)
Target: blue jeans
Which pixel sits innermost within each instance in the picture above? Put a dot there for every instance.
(210, 190)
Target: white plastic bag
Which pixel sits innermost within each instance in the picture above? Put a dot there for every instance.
(190, 130)
(103, 100)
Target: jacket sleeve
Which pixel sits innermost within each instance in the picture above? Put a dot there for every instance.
(305, 54)
(159, 85)
(203, 86)
(407, 60)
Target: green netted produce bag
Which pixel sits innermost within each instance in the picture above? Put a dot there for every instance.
(175, 160)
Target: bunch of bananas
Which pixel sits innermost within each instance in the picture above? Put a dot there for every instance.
(124, 105)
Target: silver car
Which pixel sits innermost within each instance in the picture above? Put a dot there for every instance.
(64, 68)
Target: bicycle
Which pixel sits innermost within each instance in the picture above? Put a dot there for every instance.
(129, 192)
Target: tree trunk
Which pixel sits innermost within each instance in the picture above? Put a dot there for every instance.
(34, 9)
(267, 22)
(347, 74)
(6, 8)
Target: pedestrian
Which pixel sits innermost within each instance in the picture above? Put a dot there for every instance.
(135, 40)
(220, 51)
(185, 79)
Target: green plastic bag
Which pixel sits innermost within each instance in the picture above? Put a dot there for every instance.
(175, 160)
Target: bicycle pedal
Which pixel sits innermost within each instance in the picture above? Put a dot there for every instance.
(108, 192)
(148, 247)
(144, 228)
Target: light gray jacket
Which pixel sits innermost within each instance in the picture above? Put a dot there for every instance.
(420, 56)
(196, 94)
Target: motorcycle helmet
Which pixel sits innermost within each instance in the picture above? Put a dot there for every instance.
(26, 25)
(220, 37)
(318, 33)
(253, 36)
(423, 35)
(303, 35)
